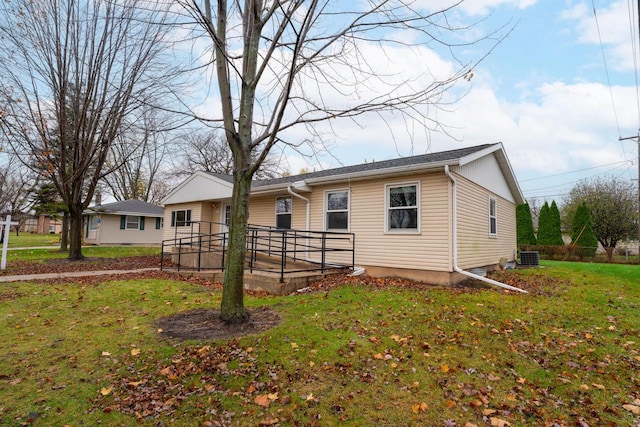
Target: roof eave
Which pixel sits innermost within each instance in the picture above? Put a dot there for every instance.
(357, 176)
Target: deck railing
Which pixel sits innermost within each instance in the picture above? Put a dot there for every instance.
(196, 247)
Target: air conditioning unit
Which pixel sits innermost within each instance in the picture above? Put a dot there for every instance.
(530, 258)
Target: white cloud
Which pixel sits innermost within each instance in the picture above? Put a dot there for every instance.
(474, 7)
(613, 26)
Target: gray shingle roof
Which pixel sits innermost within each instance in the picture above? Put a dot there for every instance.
(425, 159)
(130, 206)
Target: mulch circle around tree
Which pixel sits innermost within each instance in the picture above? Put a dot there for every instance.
(205, 324)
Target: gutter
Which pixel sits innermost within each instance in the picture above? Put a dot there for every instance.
(307, 222)
(455, 241)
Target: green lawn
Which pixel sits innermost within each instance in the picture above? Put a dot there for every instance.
(25, 240)
(356, 355)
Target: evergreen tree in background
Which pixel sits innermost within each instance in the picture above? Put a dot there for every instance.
(525, 233)
(549, 233)
(582, 232)
(555, 229)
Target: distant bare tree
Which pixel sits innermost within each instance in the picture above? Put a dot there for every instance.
(137, 156)
(16, 184)
(614, 209)
(281, 65)
(72, 72)
(209, 152)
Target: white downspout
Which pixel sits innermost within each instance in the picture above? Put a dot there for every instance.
(455, 240)
(308, 220)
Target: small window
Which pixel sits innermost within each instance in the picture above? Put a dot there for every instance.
(402, 207)
(159, 223)
(283, 212)
(493, 218)
(133, 222)
(181, 218)
(227, 215)
(337, 214)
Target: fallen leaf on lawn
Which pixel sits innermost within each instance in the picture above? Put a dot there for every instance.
(584, 387)
(16, 381)
(450, 403)
(492, 377)
(309, 397)
(378, 356)
(444, 368)
(135, 351)
(106, 390)
(160, 330)
(498, 422)
(588, 336)
(135, 383)
(487, 412)
(269, 422)
(632, 408)
(272, 396)
(419, 407)
(598, 386)
(262, 400)
(470, 425)
(106, 353)
(294, 345)
(521, 380)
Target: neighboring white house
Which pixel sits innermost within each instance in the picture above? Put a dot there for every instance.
(423, 217)
(129, 222)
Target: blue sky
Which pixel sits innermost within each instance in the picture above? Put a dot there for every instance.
(543, 93)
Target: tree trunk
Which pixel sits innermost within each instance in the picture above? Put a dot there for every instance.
(232, 308)
(75, 236)
(64, 233)
(609, 251)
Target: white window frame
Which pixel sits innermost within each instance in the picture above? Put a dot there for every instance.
(387, 208)
(327, 211)
(493, 217)
(290, 212)
(130, 224)
(187, 218)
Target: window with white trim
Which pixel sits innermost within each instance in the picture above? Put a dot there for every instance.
(402, 204)
(181, 218)
(337, 210)
(493, 217)
(132, 222)
(283, 212)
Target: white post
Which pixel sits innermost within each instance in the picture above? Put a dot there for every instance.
(5, 243)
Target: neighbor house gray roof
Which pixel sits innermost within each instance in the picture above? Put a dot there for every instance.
(128, 207)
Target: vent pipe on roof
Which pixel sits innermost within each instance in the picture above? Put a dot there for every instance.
(455, 240)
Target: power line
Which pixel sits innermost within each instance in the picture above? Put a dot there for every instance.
(606, 69)
(574, 171)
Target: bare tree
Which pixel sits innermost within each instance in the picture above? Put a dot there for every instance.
(72, 72)
(16, 184)
(288, 63)
(136, 158)
(613, 206)
(208, 151)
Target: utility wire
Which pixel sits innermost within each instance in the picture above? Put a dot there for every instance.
(574, 171)
(606, 69)
(634, 50)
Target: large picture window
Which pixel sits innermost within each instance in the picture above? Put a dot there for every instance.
(283, 212)
(402, 207)
(493, 217)
(181, 218)
(337, 213)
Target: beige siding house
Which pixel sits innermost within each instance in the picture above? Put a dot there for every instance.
(430, 217)
(129, 222)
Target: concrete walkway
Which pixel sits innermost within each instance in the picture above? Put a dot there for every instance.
(44, 276)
